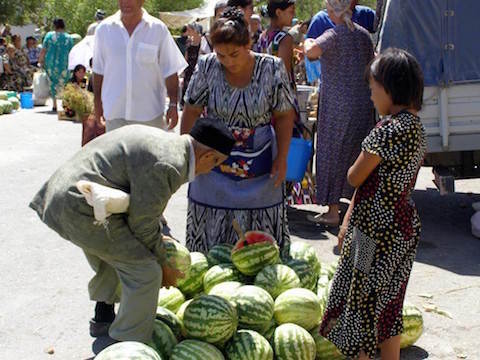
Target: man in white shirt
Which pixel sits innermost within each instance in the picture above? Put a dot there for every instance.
(136, 65)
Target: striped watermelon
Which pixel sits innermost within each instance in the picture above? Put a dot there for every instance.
(220, 254)
(170, 298)
(298, 306)
(254, 306)
(412, 325)
(303, 251)
(323, 287)
(181, 313)
(258, 250)
(193, 281)
(171, 320)
(220, 273)
(276, 279)
(325, 349)
(225, 289)
(163, 339)
(210, 318)
(291, 342)
(248, 345)
(270, 331)
(266, 329)
(128, 350)
(196, 350)
(176, 254)
(308, 278)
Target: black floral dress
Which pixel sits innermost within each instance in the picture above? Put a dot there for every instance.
(365, 302)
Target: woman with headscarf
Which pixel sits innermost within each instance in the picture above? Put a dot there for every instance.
(244, 90)
(20, 60)
(345, 112)
(56, 47)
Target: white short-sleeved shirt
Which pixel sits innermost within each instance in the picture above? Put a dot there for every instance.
(134, 68)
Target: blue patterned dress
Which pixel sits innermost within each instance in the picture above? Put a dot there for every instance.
(241, 188)
(345, 112)
(57, 46)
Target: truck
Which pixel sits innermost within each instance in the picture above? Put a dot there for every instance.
(443, 36)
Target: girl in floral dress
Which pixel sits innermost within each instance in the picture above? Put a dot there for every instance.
(382, 228)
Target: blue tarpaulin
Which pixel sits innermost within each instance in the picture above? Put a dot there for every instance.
(442, 34)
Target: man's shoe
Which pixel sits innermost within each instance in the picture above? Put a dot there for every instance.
(101, 343)
(98, 329)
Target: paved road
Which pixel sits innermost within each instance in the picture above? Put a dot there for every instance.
(44, 302)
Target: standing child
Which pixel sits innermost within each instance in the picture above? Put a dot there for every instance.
(382, 227)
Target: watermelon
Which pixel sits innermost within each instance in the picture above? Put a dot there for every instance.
(181, 313)
(210, 318)
(196, 350)
(254, 305)
(192, 283)
(325, 349)
(258, 250)
(265, 329)
(221, 273)
(176, 255)
(6, 106)
(225, 289)
(163, 339)
(412, 325)
(276, 279)
(220, 254)
(170, 298)
(3, 95)
(248, 345)
(323, 287)
(128, 350)
(291, 342)
(170, 319)
(270, 331)
(15, 103)
(303, 251)
(308, 278)
(298, 306)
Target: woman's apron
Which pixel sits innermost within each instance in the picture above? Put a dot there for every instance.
(243, 181)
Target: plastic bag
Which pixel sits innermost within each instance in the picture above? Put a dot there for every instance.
(41, 87)
(313, 70)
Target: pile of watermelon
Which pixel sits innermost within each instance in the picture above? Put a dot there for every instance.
(8, 102)
(244, 302)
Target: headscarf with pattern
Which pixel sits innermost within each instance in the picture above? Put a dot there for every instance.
(343, 10)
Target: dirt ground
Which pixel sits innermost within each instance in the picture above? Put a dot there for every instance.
(44, 302)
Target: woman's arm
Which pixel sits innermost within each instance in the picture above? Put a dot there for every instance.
(283, 129)
(41, 57)
(362, 168)
(312, 50)
(285, 52)
(190, 114)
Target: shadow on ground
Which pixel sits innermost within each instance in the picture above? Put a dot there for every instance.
(414, 353)
(450, 214)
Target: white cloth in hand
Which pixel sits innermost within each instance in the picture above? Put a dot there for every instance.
(104, 200)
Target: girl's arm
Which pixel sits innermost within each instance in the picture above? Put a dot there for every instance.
(190, 114)
(362, 168)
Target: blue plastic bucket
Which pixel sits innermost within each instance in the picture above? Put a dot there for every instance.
(26, 100)
(299, 155)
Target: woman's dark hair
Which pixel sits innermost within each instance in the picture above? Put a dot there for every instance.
(274, 5)
(400, 75)
(231, 28)
(59, 24)
(239, 3)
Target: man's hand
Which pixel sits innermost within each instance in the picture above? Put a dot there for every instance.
(172, 117)
(279, 170)
(170, 275)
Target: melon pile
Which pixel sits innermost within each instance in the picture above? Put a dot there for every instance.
(244, 302)
(8, 102)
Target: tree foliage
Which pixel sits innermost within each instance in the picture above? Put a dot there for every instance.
(78, 14)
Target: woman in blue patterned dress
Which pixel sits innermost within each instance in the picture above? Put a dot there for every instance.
(54, 55)
(244, 90)
(345, 112)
